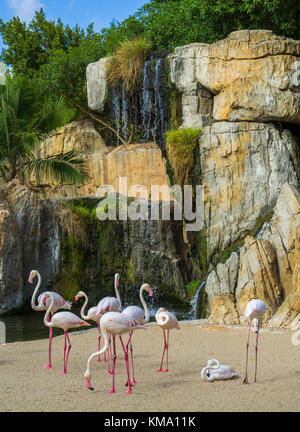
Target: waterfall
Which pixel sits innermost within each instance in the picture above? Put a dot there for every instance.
(146, 102)
(116, 110)
(159, 124)
(124, 112)
(195, 302)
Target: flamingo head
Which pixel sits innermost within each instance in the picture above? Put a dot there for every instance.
(147, 288)
(32, 275)
(117, 279)
(78, 295)
(87, 377)
(255, 323)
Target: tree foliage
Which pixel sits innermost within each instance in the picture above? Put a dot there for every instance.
(28, 115)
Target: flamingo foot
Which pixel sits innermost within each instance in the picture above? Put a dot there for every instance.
(245, 380)
(111, 392)
(166, 371)
(47, 367)
(63, 372)
(128, 392)
(159, 370)
(98, 361)
(135, 382)
(88, 384)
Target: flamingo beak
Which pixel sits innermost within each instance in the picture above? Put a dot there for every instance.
(150, 292)
(76, 298)
(30, 279)
(118, 283)
(44, 300)
(88, 384)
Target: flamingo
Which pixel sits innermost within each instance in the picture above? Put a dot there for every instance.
(65, 321)
(167, 321)
(138, 314)
(110, 304)
(115, 324)
(43, 305)
(214, 371)
(254, 311)
(91, 315)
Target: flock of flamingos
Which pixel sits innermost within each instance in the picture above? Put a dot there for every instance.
(111, 323)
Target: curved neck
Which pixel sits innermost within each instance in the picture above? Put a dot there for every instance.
(102, 351)
(147, 319)
(46, 322)
(83, 316)
(117, 291)
(215, 365)
(33, 305)
(204, 375)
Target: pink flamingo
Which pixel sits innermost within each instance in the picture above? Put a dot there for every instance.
(254, 311)
(167, 321)
(110, 304)
(91, 315)
(115, 324)
(138, 314)
(65, 321)
(43, 305)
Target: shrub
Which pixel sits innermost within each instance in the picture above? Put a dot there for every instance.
(180, 147)
(127, 62)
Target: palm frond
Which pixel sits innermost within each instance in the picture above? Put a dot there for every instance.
(63, 168)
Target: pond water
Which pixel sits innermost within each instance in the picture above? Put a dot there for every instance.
(30, 326)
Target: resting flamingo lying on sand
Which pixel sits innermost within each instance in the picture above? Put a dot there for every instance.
(138, 314)
(65, 321)
(91, 315)
(254, 311)
(167, 321)
(214, 371)
(43, 305)
(110, 304)
(115, 324)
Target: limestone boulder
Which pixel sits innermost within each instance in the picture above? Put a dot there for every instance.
(254, 75)
(281, 233)
(97, 85)
(223, 311)
(244, 166)
(258, 277)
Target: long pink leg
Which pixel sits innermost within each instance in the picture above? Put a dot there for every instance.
(167, 370)
(99, 340)
(165, 346)
(109, 357)
(130, 346)
(256, 349)
(131, 353)
(49, 366)
(113, 366)
(127, 367)
(69, 347)
(247, 346)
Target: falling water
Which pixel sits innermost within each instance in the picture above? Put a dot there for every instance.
(146, 102)
(195, 302)
(116, 110)
(158, 102)
(124, 112)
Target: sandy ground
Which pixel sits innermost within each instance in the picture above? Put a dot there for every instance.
(27, 386)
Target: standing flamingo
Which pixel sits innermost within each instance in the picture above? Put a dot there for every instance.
(91, 315)
(167, 321)
(115, 324)
(43, 305)
(254, 311)
(110, 304)
(65, 321)
(138, 314)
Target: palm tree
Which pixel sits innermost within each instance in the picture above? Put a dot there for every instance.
(27, 116)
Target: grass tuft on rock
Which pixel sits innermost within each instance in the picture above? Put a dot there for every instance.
(181, 144)
(128, 61)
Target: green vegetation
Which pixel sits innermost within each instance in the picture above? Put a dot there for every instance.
(192, 287)
(180, 147)
(26, 116)
(127, 63)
